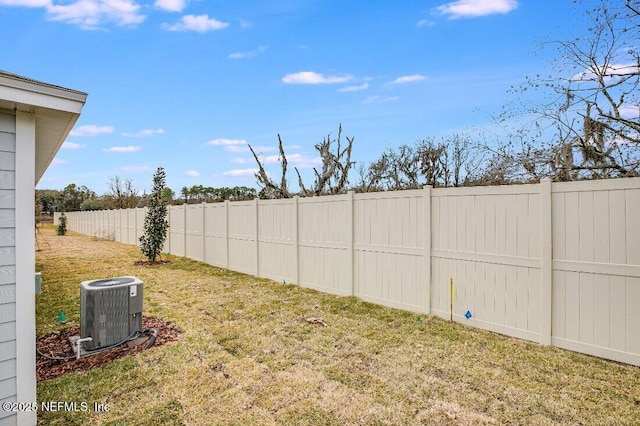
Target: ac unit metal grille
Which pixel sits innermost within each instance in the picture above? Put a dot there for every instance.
(110, 310)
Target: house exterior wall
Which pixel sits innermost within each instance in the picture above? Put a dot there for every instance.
(8, 372)
(17, 258)
(35, 118)
(8, 369)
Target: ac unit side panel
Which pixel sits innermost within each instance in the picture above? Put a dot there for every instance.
(135, 298)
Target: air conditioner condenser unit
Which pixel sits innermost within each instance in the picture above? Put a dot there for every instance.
(110, 310)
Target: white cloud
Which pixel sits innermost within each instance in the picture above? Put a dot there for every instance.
(171, 5)
(380, 99)
(474, 8)
(300, 161)
(230, 145)
(226, 142)
(425, 23)
(91, 130)
(192, 173)
(238, 160)
(123, 149)
(630, 111)
(72, 145)
(272, 159)
(408, 79)
(144, 133)
(362, 86)
(249, 54)
(238, 173)
(135, 168)
(310, 77)
(25, 3)
(90, 14)
(198, 23)
(610, 71)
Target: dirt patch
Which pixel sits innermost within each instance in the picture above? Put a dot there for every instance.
(57, 344)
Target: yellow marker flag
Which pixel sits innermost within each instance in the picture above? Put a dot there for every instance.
(452, 296)
(453, 288)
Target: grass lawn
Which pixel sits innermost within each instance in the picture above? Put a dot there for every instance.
(248, 356)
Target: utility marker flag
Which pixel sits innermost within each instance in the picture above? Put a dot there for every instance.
(452, 296)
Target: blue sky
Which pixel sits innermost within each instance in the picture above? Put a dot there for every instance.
(185, 84)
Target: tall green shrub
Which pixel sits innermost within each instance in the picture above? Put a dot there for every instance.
(62, 224)
(155, 222)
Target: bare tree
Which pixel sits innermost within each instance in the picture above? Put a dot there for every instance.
(591, 120)
(122, 192)
(445, 162)
(271, 189)
(333, 178)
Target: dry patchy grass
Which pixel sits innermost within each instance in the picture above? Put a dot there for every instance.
(249, 357)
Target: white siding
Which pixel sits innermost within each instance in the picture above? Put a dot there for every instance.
(8, 389)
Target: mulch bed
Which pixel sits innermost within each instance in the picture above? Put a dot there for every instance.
(57, 344)
(150, 262)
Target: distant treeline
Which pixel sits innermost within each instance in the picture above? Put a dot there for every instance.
(122, 195)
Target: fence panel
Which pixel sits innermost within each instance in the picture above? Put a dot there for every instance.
(177, 230)
(242, 237)
(215, 218)
(324, 262)
(276, 253)
(389, 263)
(141, 213)
(117, 225)
(194, 228)
(487, 240)
(596, 275)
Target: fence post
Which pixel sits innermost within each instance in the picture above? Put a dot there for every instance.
(427, 246)
(256, 200)
(351, 251)
(204, 232)
(135, 226)
(296, 244)
(184, 229)
(125, 239)
(226, 232)
(546, 262)
(168, 240)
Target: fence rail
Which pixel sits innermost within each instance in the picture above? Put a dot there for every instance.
(555, 263)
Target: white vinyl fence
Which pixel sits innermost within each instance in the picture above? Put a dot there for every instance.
(555, 263)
